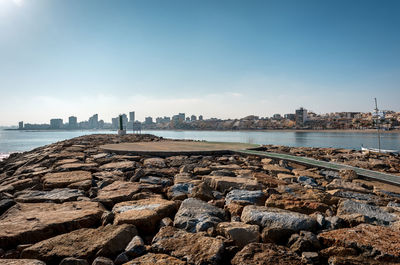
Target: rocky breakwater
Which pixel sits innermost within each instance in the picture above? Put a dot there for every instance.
(71, 203)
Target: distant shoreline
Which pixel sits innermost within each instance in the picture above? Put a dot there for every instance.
(244, 130)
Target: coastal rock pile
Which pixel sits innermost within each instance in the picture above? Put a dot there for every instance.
(71, 203)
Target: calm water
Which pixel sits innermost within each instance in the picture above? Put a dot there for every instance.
(16, 141)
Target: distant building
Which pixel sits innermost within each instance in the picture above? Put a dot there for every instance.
(94, 122)
(148, 120)
(301, 116)
(187, 118)
(277, 117)
(131, 116)
(124, 120)
(56, 123)
(21, 125)
(181, 116)
(200, 117)
(193, 118)
(114, 122)
(72, 122)
(290, 116)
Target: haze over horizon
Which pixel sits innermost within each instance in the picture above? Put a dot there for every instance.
(224, 59)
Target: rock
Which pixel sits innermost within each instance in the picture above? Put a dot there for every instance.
(154, 163)
(193, 248)
(144, 214)
(286, 177)
(166, 222)
(5, 204)
(348, 174)
(267, 180)
(73, 261)
(223, 173)
(305, 241)
(275, 169)
(121, 259)
(241, 233)
(64, 179)
(156, 180)
(32, 222)
(157, 259)
(56, 195)
(278, 224)
(203, 192)
(356, 212)
(246, 197)
(295, 204)
(135, 248)
(21, 262)
(310, 257)
(78, 166)
(118, 191)
(224, 184)
(356, 196)
(201, 170)
(180, 191)
(304, 180)
(122, 166)
(86, 243)
(265, 254)
(382, 243)
(182, 178)
(195, 215)
(102, 261)
(344, 185)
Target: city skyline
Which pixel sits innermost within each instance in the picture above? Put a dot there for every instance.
(217, 58)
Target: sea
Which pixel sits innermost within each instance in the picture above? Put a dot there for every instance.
(19, 141)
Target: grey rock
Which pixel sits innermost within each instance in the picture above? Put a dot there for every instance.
(102, 261)
(156, 180)
(121, 258)
(246, 197)
(180, 191)
(329, 174)
(304, 180)
(55, 195)
(195, 215)
(136, 247)
(73, 261)
(351, 210)
(278, 224)
(355, 195)
(305, 241)
(223, 173)
(5, 204)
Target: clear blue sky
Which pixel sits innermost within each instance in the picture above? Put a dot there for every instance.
(217, 58)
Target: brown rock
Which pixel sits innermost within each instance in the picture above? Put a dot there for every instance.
(65, 179)
(157, 259)
(344, 185)
(203, 192)
(78, 166)
(241, 233)
(154, 163)
(275, 169)
(195, 248)
(260, 254)
(84, 243)
(32, 222)
(144, 214)
(348, 174)
(269, 181)
(292, 203)
(123, 166)
(117, 192)
(224, 184)
(379, 241)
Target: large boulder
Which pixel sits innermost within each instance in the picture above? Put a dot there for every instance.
(265, 254)
(122, 166)
(193, 248)
(223, 183)
(32, 222)
(382, 243)
(56, 195)
(295, 204)
(345, 185)
(278, 224)
(144, 214)
(195, 215)
(154, 163)
(65, 179)
(84, 243)
(357, 212)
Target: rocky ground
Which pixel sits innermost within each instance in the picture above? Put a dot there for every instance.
(70, 203)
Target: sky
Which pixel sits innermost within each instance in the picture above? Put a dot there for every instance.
(218, 58)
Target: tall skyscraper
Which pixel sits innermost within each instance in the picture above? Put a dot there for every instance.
(131, 116)
(72, 122)
(301, 116)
